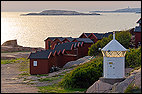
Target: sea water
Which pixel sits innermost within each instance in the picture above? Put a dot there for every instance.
(31, 31)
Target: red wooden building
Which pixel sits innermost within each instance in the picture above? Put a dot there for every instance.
(42, 61)
(60, 50)
(95, 36)
(137, 33)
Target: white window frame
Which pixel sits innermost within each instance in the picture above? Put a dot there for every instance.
(35, 63)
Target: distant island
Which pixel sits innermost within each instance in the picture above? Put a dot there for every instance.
(130, 10)
(59, 12)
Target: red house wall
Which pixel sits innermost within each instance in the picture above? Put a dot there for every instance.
(54, 43)
(46, 43)
(80, 52)
(137, 38)
(83, 36)
(85, 48)
(93, 38)
(65, 40)
(41, 68)
(67, 58)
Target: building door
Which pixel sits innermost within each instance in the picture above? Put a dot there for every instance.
(110, 69)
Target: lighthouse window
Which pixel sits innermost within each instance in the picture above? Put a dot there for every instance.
(110, 63)
(114, 53)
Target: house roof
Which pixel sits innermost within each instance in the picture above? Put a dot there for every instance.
(114, 45)
(85, 40)
(44, 54)
(139, 21)
(70, 38)
(67, 46)
(101, 35)
(60, 38)
(137, 29)
(87, 34)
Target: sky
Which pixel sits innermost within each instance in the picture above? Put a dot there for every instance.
(81, 6)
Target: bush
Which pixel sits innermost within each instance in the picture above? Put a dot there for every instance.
(122, 37)
(133, 58)
(94, 49)
(84, 75)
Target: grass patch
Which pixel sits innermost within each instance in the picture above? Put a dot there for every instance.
(132, 89)
(6, 61)
(50, 78)
(39, 75)
(24, 74)
(24, 64)
(57, 89)
(136, 68)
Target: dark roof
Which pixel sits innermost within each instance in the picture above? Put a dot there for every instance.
(70, 38)
(85, 40)
(44, 54)
(137, 29)
(139, 21)
(60, 38)
(87, 34)
(52, 38)
(107, 34)
(66, 46)
(101, 35)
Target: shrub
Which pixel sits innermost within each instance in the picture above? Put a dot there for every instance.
(123, 37)
(94, 49)
(84, 75)
(133, 58)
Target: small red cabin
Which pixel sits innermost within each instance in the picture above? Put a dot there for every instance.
(137, 32)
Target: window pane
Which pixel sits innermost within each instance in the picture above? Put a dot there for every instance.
(35, 63)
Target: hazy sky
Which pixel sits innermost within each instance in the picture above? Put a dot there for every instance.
(82, 6)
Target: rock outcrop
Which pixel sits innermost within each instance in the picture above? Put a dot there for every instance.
(12, 46)
(120, 87)
(12, 43)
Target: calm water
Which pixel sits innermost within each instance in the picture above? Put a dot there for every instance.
(31, 31)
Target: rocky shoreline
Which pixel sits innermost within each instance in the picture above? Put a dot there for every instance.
(12, 46)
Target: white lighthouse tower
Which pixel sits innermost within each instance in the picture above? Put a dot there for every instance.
(114, 60)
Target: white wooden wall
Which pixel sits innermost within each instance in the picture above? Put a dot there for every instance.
(114, 67)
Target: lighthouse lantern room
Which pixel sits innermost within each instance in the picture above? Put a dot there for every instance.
(114, 59)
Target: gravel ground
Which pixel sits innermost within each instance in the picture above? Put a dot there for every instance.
(10, 83)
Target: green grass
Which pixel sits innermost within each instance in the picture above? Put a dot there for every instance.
(50, 78)
(132, 89)
(24, 74)
(6, 61)
(24, 64)
(57, 89)
(39, 75)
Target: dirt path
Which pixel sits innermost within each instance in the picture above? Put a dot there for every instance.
(9, 83)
